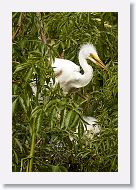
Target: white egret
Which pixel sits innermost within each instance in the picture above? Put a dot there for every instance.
(68, 73)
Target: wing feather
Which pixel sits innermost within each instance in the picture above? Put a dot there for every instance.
(63, 64)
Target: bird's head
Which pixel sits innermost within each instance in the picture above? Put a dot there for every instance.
(88, 51)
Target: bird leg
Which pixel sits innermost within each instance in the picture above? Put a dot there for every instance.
(81, 96)
(76, 91)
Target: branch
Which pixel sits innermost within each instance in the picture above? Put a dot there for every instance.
(16, 82)
(19, 26)
(41, 26)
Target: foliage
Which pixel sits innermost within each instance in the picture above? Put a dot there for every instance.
(44, 124)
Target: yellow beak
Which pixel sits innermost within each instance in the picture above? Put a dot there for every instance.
(97, 61)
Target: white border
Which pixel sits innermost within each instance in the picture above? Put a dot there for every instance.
(6, 174)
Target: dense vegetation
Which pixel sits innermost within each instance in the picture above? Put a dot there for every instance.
(44, 123)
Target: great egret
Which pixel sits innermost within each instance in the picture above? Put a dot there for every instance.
(68, 74)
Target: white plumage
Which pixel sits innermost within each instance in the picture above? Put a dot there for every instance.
(91, 127)
(68, 73)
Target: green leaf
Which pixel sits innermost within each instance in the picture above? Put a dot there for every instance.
(14, 106)
(16, 156)
(29, 74)
(63, 169)
(85, 155)
(18, 144)
(68, 118)
(21, 67)
(59, 169)
(22, 103)
(51, 103)
(39, 122)
(35, 111)
(80, 130)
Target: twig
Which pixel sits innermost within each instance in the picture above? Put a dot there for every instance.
(16, 82)
(19, 25)
(30, 164)
(41, 25)
(62, 54)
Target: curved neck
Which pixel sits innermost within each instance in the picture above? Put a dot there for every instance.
(88, 71)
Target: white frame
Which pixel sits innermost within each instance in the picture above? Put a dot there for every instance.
(123, 174)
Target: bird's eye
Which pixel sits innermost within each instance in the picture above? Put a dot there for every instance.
(91, 55)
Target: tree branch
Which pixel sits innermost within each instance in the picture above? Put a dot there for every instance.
(19, 26)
